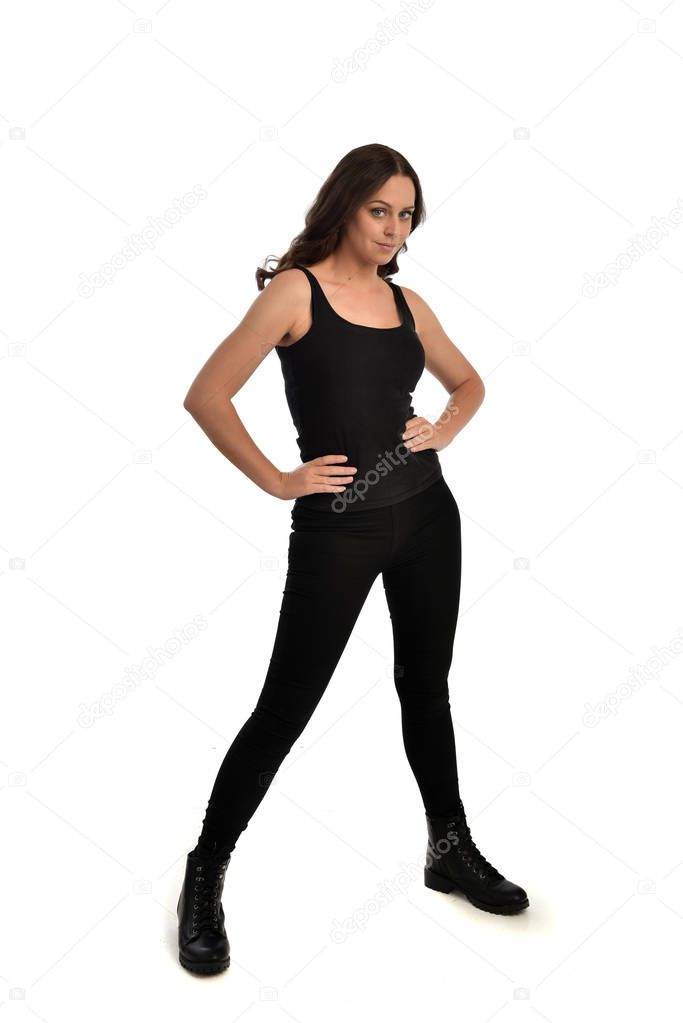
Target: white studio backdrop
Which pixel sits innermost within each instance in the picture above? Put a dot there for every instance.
(151, 158)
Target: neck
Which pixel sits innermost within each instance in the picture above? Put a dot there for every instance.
(345, 267)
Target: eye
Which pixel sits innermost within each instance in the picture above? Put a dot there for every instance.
(379, 209)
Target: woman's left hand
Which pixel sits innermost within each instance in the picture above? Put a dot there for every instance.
(420, 435)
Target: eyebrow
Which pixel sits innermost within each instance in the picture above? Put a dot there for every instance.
(409, 207)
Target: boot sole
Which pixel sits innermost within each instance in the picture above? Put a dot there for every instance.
(438, 883)
(204, 969)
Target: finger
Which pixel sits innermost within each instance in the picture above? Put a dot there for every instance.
(335, 477)
(338, 470)
(424, 430)
(325, 487)
(419, 441)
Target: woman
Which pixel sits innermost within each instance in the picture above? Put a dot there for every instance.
(369, 498)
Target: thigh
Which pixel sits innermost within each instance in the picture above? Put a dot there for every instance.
(331, 568)
(422, 585)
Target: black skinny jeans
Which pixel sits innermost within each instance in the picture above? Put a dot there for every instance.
(334, 558)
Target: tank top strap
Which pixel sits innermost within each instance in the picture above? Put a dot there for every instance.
(319, 303)
(402, 304)
(321, 308)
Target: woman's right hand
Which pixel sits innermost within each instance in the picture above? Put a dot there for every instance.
(319, 476)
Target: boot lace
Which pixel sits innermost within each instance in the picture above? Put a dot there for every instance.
(206, 901)
(469, 854)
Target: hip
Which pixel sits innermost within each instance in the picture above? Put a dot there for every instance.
(432, 499)
(380, 487)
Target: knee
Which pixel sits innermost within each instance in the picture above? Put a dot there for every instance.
(425, 700)
(282, 726)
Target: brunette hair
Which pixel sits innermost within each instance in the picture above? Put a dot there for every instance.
(355, 178)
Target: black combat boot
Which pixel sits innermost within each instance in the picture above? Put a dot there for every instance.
(203, 945)
(454, 863)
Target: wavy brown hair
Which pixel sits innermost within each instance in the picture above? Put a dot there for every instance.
(357, 176)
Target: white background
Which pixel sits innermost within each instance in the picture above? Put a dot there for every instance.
(547, 138)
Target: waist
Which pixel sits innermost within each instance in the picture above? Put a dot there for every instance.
(385, 484)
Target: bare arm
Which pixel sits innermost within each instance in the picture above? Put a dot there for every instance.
(271, 315)
(459, 377)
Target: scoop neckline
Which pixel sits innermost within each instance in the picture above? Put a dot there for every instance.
(349, 323)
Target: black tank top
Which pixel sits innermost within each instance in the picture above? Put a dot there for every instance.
(349, 389)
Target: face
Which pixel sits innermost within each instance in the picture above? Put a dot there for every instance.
(382, 223)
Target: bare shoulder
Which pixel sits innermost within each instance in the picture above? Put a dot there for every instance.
(278, 308)
(290, 291)
(287, 282)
